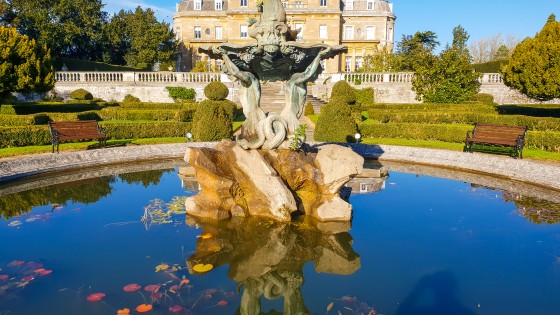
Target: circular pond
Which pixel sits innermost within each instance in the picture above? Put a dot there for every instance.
(115, 240)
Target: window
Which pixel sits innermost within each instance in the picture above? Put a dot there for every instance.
(299, 27)
(243, 3)
(370, 5)
(178, 33)
(299, 5)
(219, 64)
(197, 32)
(348, 64)
(218, 4)
(323, 3)
(197, 4)
(349, 32)
(359, 63)
(370, 32)
(285, 4)
(323, 31)
(244, 32)
(349, 5)
(363, 188)
(218, 32)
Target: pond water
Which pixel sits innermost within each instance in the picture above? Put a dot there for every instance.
(420, 245)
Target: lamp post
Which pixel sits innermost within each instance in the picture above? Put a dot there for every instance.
(189, 136)
(358, 137)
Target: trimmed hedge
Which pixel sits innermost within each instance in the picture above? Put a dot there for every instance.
(336, 123)
(7, 110)
(227, 105)
(139, 114)
(342, 91)
(308, 110)
(474, 107)
(530, 110)
(28, 109)
(129, 98)
(212, 122)
(365, 96)
(153, 106)
(544, 140)
(534, 123)
(40, 135)
(181, 94)
(216, 91)
(81, 94)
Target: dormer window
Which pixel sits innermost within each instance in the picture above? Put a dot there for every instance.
(323, 3)
(218, 5)
(349, 5)
(370, 5)
(243, 3)
(198, 5)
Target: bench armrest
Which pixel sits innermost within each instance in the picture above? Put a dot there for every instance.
(101, 130)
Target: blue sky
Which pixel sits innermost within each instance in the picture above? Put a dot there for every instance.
(481, 18)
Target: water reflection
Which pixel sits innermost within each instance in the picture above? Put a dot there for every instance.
(266, 258)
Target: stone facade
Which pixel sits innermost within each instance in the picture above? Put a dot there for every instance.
(362, 25)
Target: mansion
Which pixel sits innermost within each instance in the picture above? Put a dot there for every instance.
(364, 26)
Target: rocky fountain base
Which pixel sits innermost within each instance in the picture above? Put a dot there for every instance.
(278, 184)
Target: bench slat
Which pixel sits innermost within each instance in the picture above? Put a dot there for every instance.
(501, 135)
(76, 130)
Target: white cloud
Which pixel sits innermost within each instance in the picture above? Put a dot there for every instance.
(162, 13)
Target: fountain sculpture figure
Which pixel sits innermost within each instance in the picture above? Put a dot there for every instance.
(249, 177)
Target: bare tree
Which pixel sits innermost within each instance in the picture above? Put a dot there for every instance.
(484, 49)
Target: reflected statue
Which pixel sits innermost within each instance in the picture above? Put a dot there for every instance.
(266, 258)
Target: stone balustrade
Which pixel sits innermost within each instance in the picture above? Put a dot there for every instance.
(153, 78)
(397, 77)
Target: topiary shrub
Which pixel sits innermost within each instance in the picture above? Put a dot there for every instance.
(129, 98)
(308, 110)
(344, 92)
(81, 94)
(211, 122)
(7, 110)
(365, 96)
(336, 123)
(483, 98)
(216, 91)
(181, 94)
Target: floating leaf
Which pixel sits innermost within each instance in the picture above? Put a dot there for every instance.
(15, 223)
(152, 288)
(202, 268)
(133, 287)
(184, 281)
(39, 270)
(143, 308)
(124, 311)
(329, 307)
(162, 267)
(175, 308)
(156, 295)
(4, 277)
(16, 263)
(27, 279)
(95, 297)
(222, 303)
(205, 236)
(45, 272)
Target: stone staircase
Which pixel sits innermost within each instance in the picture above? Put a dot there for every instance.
(273, 99)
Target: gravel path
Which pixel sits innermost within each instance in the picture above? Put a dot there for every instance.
(542, 174)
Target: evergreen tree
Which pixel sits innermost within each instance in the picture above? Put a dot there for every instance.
(534, 66)
(449, 77)
(413, 50)
(381, 61)
(69, 28)
(25, 66)
(134, 37)
(501, 54)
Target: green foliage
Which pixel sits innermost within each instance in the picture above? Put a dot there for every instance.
(81, 95)
(7, 110)
(365, 96)
(24, 65)
(336, 123)
(24, 136)
(151, 129)
(70, 28)
(129, 98)
(308, 110)
(154, 106)
(200, 66)
(211, 122)
(86, 65)
(181, 94)
(343, 92)
(146, 114)
(534, 67)
(482, 98)
(298, 137)
(216, 91)
(413, 50)
(55, 107)
(501, 54)
(449, 77)
(490, 66)
(146, 178)
(137, 37)
(381, 61)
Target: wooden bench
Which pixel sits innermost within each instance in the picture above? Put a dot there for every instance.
(497, 135)
(76, 130)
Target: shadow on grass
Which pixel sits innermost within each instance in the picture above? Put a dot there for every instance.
(529, 110)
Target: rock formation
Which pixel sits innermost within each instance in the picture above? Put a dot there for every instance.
(278, 184)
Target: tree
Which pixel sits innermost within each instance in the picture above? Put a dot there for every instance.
(25, 66)
(501, 54)
(413, 50)
(534, 66)
(381, 61)
(69, 28)
(137, 37)
(449, 77)
(485, 49)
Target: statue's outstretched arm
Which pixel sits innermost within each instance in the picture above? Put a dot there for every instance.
(230, 68)
(312, 68)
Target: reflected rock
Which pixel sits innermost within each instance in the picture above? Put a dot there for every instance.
(267, 258)
(277, 184)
